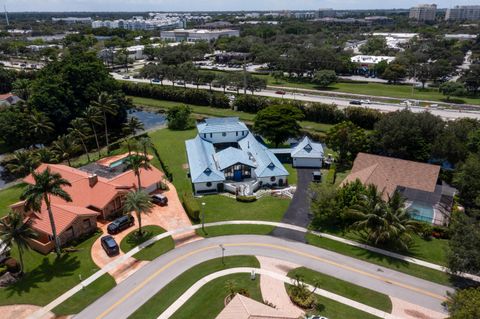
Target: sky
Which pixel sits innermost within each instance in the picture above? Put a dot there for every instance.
(214, 5)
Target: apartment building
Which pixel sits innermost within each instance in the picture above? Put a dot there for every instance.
(423, 12)
(463, 13)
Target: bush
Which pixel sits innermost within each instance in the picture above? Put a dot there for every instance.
(12, 265)
(365, 118)
(425, 231)
(250, 104)
(3, 270)
(441, 232)
(191, 207)
(246, 199)
(323, 113)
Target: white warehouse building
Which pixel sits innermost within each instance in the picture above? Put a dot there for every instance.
(194, 35)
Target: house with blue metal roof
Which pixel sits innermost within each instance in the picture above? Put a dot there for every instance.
(306, 153)
(225, 156)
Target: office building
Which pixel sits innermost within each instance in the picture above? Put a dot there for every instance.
(423, 12)
(326, 13)
(194, 35)
(463, 13)
(73, 20)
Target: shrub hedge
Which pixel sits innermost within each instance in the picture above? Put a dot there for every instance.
(246, 199)
(191, 206)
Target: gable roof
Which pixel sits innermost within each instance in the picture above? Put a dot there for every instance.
(241, 307)
(201, 163)
(220, 125)
(231, 156)
(389, 173)
(308, 149)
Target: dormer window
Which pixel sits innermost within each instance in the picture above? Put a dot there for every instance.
(308, 148)
(207, 171)
(271, 165)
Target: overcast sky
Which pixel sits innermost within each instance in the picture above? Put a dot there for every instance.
(213, 5)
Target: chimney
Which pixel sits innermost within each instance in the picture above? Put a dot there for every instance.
(92, 180)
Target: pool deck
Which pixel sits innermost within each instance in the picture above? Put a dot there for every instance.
(107, 161)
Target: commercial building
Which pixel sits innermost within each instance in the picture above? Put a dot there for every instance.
(463, 13)
(423, 12)
(371, 59)
(194, 35)
(139, 23)
(326, 13)
(73, 20)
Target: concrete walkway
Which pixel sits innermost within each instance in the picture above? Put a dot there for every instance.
(273, 290)
(272, 274)
(22, 311)
(132, 252)
(407, 310)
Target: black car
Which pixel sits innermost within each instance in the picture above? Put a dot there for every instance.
(120, 224)
(110, 245)
(160, 199)
(356, 102)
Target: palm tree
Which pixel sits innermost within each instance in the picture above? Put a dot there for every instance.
(383, 222)
(80, 130)
(46, 184)
(145, 143)
(92, 115)
(40, 125)
(132, 126)
(23, 163)
(130, 144)
(139, 202)
(14, 229)
(136, 163)
(65, 147)
(106, 105)
(22, 88)
(45, 155)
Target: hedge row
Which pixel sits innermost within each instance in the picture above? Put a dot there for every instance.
(177, 94)
(191, 206)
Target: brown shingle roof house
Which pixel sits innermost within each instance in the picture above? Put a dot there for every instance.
(241, 307)
(417, 182)
(92, 196)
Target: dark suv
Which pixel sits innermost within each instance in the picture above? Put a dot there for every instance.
(120, 224)
(160, 199)
(110, 245)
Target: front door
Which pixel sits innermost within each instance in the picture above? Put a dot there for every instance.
(237, 175)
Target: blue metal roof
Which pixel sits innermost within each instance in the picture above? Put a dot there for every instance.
(220, 125)
(201, 162)
(231, 156)
(308, 149)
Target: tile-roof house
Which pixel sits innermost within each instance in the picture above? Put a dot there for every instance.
(92, 196)
(225, 151)
(417, 182)
(241, 307)
(10, 98)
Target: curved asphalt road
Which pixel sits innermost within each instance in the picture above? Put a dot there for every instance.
(125, 298)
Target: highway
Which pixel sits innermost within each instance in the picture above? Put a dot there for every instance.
(129, 295)
(448, 114)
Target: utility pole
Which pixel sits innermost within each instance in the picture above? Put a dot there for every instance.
(6, 14)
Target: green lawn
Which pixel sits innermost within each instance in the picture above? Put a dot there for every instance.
(165, 297)
(9, 196)
(348, 290)
(48, 277)
(210, 298)
(235, 230)
(381, 260)
(152, 251)
(292, 178)
(86, 296)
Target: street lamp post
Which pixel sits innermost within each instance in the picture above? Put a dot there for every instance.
(223, 253)
(203, 217)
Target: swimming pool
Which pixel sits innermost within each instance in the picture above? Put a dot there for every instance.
(117, 163)
(421, 211)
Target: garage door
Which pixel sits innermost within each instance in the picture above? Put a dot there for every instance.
(307, 162)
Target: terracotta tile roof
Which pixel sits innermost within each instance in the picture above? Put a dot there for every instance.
(241, 307)
(388, 173)
(6, 96)
(64, 216)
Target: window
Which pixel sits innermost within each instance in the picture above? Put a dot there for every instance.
(236, 133)
(224, 134)
(211, 135)
(205, 135)
(243, 133)
(209, 184)
(272, 179)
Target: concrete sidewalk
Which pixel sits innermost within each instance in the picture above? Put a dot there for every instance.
(262, 272)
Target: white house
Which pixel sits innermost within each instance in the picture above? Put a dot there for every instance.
(306, 154)
(225, 156)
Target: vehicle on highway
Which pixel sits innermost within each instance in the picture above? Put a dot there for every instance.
(120, 224)
(180, 83)
(356, 102)
(160, 199)
(110, 245)
(231, 88)
(433, 106)
(155, 80)
(126, 77)
(366, 101)
(281, 92)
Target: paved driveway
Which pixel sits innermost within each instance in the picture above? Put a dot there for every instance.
(299, 209)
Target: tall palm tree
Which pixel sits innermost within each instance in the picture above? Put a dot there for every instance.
(130, 144)
(139, 202)
(40, 126)
(65, 147)
(106, 105)
(46, 184)
(383, 222)
(132, 126)
(93, 116)
(80, 130)
(23, 163)
(136, 163)
(144, 144)
(14, 229)
(22, 88)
